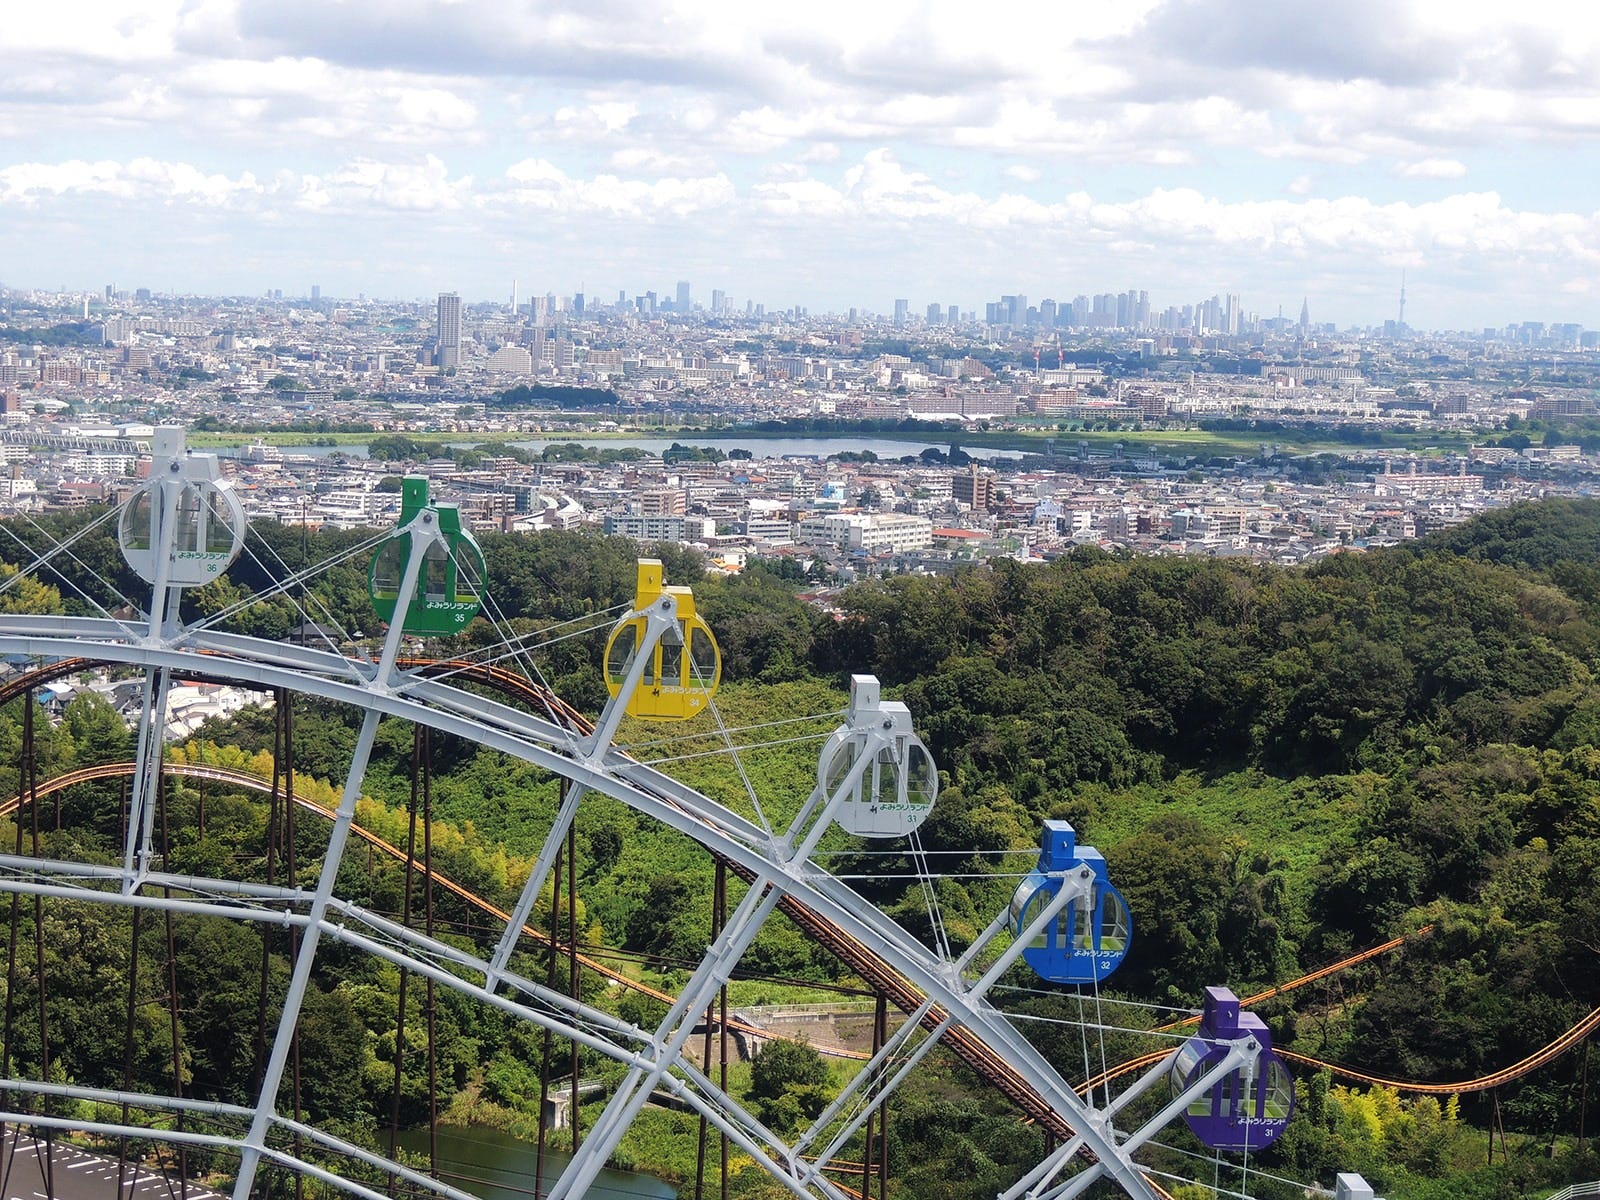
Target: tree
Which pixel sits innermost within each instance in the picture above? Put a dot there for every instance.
(669, 922)
(1175, 878)
(333, 1051)
(788, 1080)
(27, 594)
(783, 1065)
(98, 734)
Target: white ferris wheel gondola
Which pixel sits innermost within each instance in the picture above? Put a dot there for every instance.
(185, 526)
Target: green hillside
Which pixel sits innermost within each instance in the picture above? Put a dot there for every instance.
(1282, 766)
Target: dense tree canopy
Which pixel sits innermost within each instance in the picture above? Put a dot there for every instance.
(1281, 766)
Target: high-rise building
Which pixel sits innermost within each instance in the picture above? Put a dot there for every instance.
(971, 488)
(316, 292)
(953, 314)
(682, 303)
(719, 300)
(902, 309)
(448, 331)
(935, 313)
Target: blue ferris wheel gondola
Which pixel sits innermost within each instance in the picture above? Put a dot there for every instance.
(1249, 1107)
(1089, 937)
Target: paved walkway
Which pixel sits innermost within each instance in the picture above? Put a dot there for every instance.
(844, 1027)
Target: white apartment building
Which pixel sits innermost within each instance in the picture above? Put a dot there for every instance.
(511, 360)
(870, 532)
(771, 530)
(662, 528)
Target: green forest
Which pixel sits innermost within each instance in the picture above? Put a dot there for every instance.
(1281, 766)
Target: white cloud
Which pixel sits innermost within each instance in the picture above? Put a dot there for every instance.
(142, 179)
(1135, 85)
(1432, 168)
(1450, 231)
(594, 120)
(647, 160)
(364, 183)
(880, 118)
(879, 187)
(539, 184)
(801, 197)
(107, 31)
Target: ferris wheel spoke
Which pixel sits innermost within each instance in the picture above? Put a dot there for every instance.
(875, 779)
(568, 810)
(266, 1099)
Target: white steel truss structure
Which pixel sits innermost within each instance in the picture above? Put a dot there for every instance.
(778, 866)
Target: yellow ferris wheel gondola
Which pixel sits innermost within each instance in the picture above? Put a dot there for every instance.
(682, 665)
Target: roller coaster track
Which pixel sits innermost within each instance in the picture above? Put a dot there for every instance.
(249, 781)
(1312, 977)
(1567, 1041)
(969, 1046)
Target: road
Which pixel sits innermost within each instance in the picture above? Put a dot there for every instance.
(79, 1175)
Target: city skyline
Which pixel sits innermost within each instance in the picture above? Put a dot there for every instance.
(1129, 311)
(831, 158)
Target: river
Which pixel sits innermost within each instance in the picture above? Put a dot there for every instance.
(497, 1166)
(813, 447)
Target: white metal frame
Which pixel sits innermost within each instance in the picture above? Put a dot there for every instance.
(778, 864)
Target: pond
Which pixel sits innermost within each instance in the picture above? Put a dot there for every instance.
(497, 1166)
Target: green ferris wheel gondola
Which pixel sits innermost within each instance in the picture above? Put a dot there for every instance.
(449, 589)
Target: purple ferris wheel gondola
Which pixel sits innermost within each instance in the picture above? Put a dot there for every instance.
(1089, 938)
(1248, 1108)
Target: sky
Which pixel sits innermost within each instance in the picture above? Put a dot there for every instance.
(830, 154)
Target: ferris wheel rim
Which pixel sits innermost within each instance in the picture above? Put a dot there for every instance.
(329, 676)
